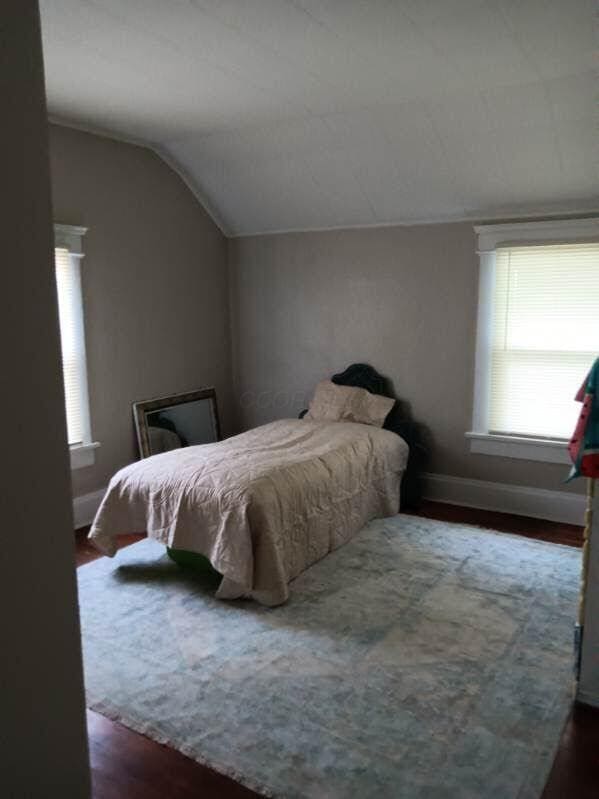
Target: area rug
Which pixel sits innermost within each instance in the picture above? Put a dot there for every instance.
(423, 660)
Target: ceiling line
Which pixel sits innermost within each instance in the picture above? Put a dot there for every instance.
(162, 153)
(541, 212)
(478, 219)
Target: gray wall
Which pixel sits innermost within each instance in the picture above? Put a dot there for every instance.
(154, 287)
(44, 751)
(305, 305)
(157, 304)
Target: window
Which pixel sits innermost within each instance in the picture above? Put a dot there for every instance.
(67, 258)
(538, 335)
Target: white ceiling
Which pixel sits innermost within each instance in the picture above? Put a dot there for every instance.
(295, 114)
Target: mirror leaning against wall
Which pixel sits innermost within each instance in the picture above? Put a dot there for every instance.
(175, 421)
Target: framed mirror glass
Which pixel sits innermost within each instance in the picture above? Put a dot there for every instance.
(181, 420)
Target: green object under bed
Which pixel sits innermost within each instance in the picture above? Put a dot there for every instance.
(192, 560)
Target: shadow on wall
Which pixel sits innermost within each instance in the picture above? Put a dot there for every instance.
(399, 420)
(276, 404)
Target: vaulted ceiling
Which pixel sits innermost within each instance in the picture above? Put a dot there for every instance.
(295, 114)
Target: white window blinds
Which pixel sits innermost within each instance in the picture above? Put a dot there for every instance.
(544, 337)
(70, 310)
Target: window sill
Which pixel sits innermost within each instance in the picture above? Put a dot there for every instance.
(529, 449)
(83, 455)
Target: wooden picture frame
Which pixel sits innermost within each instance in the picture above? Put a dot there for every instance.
(143, 408)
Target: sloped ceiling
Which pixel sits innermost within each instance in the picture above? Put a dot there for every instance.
(296, 114)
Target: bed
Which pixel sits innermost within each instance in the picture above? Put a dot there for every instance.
(262, 506)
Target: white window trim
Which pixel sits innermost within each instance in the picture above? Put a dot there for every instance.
(69, 237)
(489, 237)
(529, 449)
(81, 455)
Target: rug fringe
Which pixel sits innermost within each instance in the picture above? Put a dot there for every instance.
(154, 734)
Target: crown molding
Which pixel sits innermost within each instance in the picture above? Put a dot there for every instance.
(532, 217)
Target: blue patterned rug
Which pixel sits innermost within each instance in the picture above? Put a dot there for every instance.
(423, 660)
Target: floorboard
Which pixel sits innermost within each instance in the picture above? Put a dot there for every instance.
(127, 765)
(575, 772)
(541, 529)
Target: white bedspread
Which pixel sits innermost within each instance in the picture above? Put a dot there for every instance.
(263, 505)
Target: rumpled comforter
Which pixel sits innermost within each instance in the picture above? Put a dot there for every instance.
(261, 506)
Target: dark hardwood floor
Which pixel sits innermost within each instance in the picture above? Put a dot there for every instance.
(126, 765)
(85, 552)
(575, 772)
(542, 530)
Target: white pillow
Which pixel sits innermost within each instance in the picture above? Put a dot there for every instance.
(333, 403)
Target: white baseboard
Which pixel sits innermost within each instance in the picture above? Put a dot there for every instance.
(85, 507)
(556, 506)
